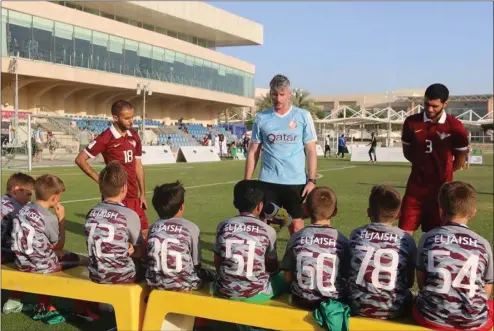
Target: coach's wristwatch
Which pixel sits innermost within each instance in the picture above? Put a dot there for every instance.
(313, 181)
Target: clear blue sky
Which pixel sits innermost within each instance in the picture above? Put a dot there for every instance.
(371, 47)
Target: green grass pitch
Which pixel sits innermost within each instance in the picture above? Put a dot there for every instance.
(209, 196)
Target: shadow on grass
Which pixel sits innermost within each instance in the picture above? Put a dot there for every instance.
(74, 227)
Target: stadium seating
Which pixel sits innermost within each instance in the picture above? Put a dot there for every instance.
(177, 140)
(276, 314)
(127, 300)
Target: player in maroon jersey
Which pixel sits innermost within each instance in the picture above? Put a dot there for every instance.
(436, 144)
(121, 143)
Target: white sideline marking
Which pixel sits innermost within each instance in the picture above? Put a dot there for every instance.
(334, 169)
(202, 185)
(188, 187)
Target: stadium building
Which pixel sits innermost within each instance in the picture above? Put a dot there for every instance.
(77, 58)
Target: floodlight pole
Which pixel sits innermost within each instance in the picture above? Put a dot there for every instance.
(146, 90)
(15, 121)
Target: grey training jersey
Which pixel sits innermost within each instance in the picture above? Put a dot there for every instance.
(173, 252)
(109, 229)
(318, 255)
(243, 243)
(458, 264)
(35, 232)
(382, 259)
(10, 208)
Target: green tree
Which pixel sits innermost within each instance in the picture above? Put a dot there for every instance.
(302, 99)
(264, 102)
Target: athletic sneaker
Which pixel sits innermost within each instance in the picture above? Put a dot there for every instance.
(86, 313)
(277, 217)
(12, 306)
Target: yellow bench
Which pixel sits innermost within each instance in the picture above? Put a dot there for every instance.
(127, 300)
(277, 314)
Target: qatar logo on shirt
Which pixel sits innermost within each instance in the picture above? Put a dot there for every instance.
(292, 124)
(283, 138)
(133, 143)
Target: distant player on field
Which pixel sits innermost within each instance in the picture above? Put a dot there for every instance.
(455, 269)
(284, 132)
(382, 260)
(121, 143)
(431, 140)
(316, 256)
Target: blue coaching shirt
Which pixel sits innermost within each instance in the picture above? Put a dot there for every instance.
(283, 138)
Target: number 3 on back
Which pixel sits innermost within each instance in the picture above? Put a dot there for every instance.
(428, 146)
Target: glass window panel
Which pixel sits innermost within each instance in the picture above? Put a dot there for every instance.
(189, 69)
(202, 42)
(115, 54)
(159, 69)
(130, 57)
(64, 43)
(160, 30)
(41, 46)
(20, 19)
(43, 24)
(4, 32)
(82, 42)
(215, 67)
(73, 5)
(148, 27)
(169, 56)
(107, 15)
(100, 51)
(171, 33)
(198, 72)
(182, 36)
(123, 20)
(179, 67)
(91, 10)
(145, 62)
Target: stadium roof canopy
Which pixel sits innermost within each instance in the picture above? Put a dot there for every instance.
(348, 116)
(474, 97)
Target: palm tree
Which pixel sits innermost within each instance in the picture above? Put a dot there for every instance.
(302, 99)
(264, 102)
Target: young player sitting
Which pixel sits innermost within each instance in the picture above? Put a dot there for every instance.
(314, 262)
(382, 260)
(38, 238)
(454, 267)
(174, 252)
(245, 250)
(19, 190)
(112, 231)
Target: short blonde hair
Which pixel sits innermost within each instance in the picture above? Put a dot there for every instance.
(384, 203)
(112, 179)
(321, 203)
(458, 199)
(48, 185)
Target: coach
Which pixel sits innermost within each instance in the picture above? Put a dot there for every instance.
(284, 132)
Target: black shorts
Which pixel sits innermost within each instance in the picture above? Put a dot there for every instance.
(286, 196)
(327, 148)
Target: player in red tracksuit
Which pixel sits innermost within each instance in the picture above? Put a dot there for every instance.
(436, 144)
(121, 143)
